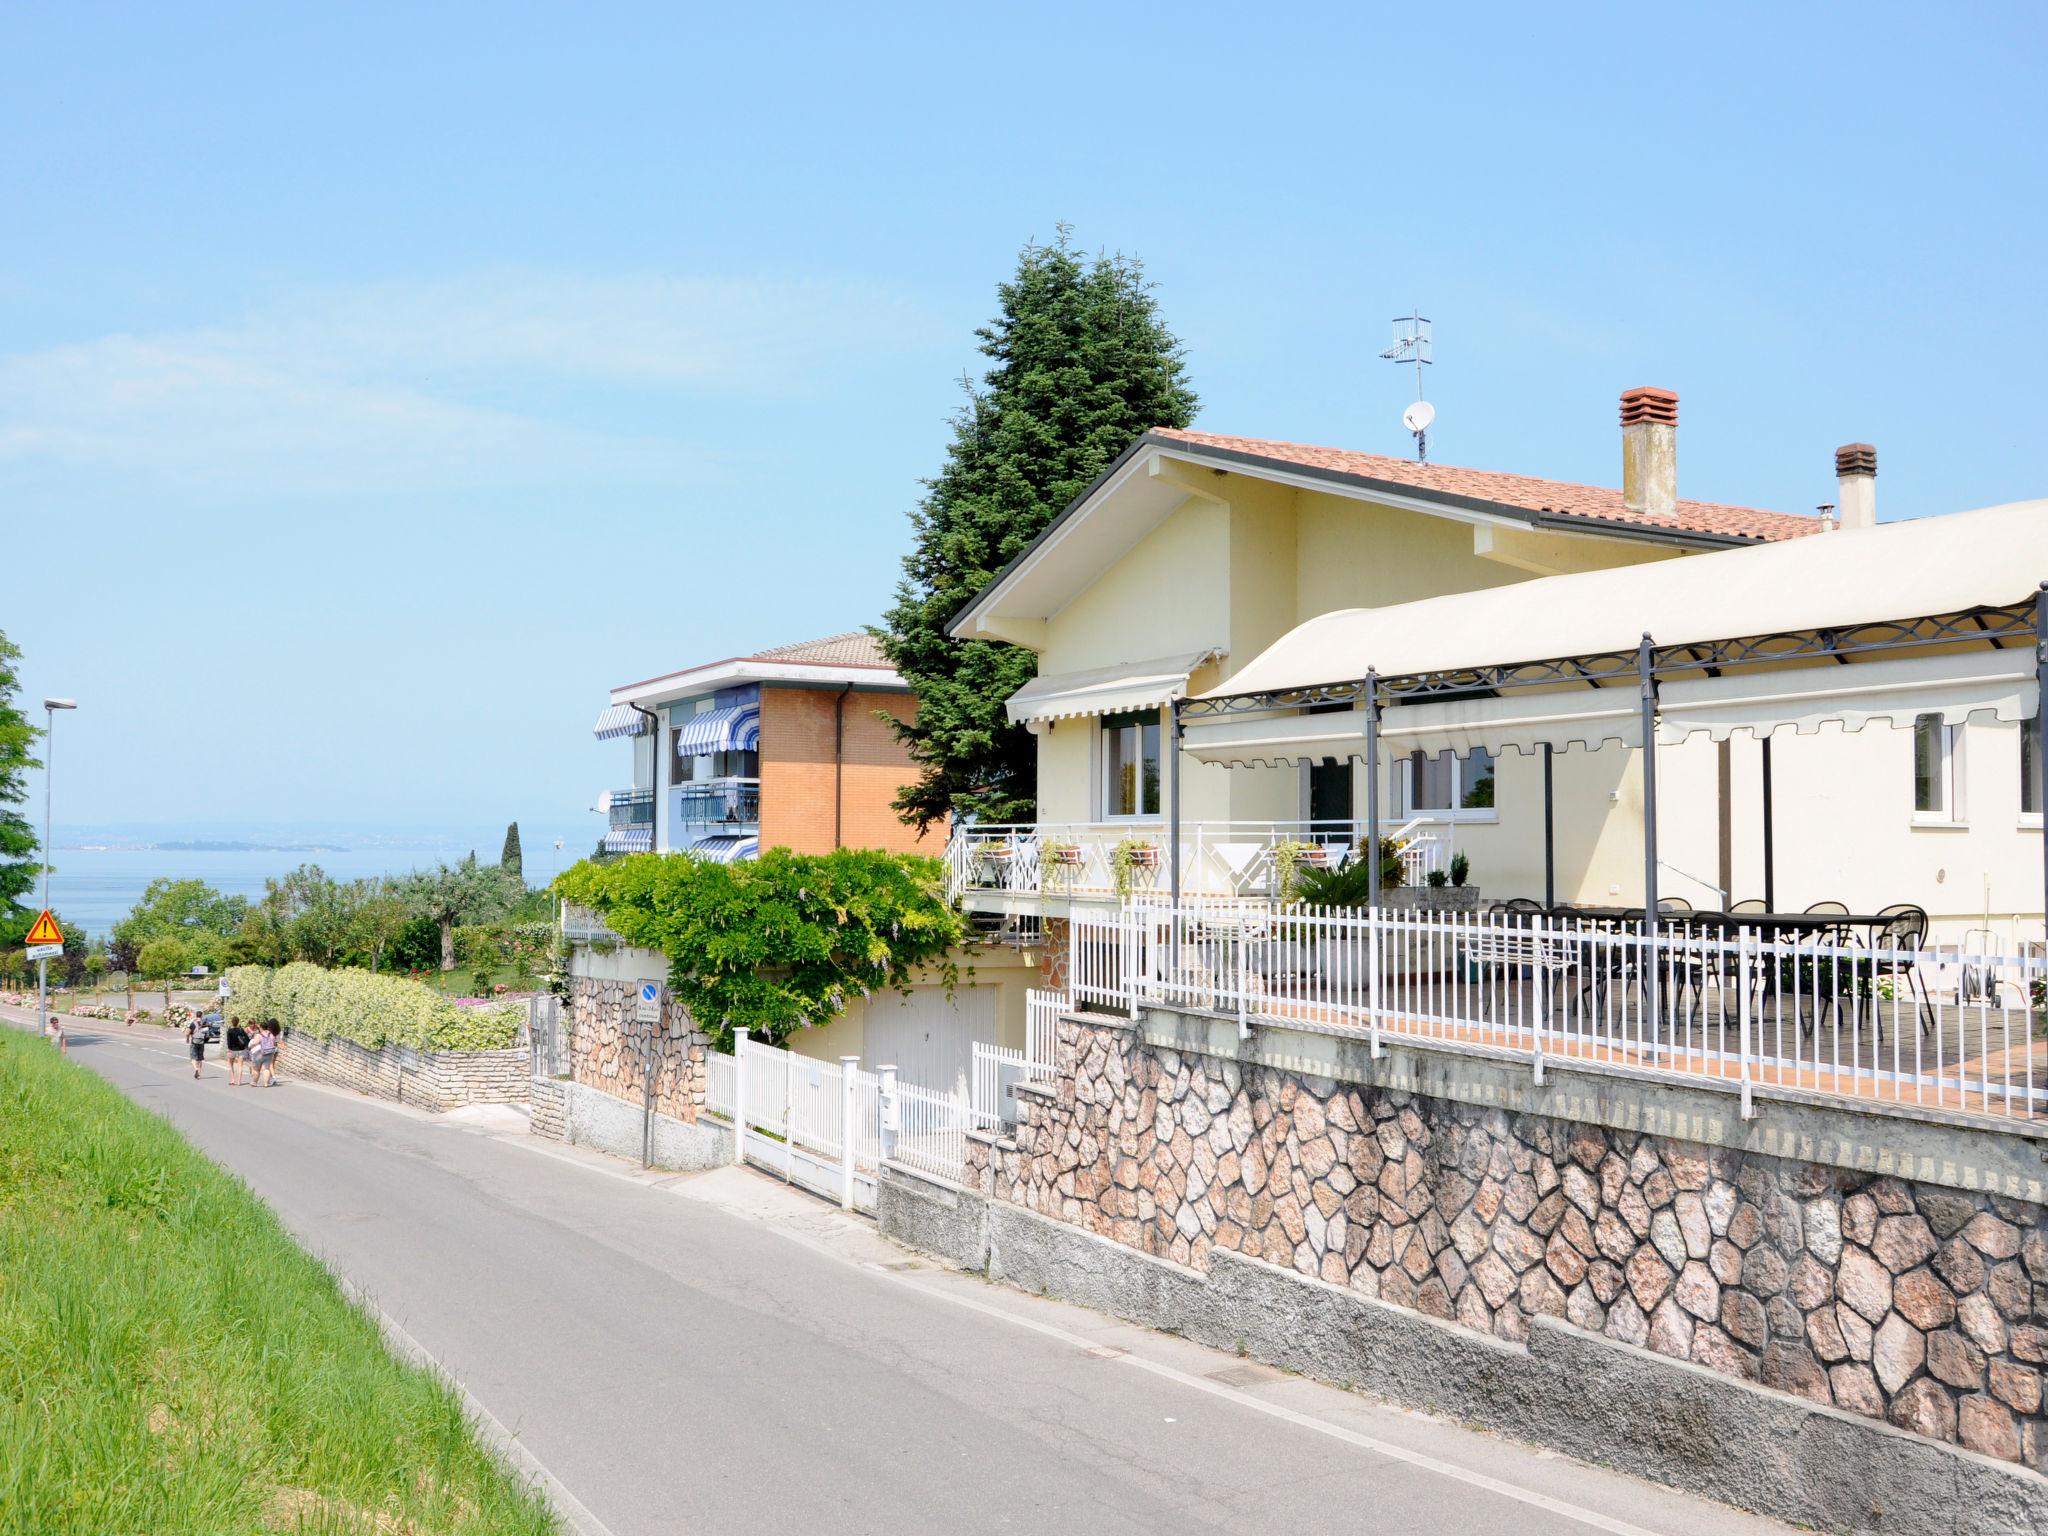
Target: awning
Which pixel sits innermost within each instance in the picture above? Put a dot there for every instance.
(1106, 690)
(1895, 571)
(1521, 721)
(620, 720)
(728, 848)
(1955, 687)
(736, 728)
(629, 840)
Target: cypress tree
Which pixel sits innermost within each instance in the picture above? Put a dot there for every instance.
(1080, 365)
(511, 858)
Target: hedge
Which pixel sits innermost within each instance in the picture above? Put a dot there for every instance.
(372, 1010)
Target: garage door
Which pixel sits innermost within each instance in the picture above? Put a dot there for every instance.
(928, 1037)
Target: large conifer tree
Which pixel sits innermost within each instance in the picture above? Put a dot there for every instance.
(1080, 364)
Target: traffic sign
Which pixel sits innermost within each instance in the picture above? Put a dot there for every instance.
(45, 951)
(44, 930)
(649, 1009)
(224, 990)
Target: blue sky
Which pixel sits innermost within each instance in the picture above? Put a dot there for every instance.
(378, 385)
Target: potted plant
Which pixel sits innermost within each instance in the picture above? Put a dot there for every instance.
(1057, 863)
(1132, 853)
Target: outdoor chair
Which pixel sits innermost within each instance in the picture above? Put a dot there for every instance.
(1902, 933)
(1816, 980)
(1753, 904)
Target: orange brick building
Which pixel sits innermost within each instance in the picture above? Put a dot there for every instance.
(782, 748)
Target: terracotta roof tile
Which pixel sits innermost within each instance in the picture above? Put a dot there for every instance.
(855, 648)
(1526, 492)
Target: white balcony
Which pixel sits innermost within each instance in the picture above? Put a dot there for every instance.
(1033, 866)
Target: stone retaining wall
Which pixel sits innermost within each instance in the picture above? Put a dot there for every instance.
(1922, 1305)
(608, 1049)
(550, 1108)
(436, 1080)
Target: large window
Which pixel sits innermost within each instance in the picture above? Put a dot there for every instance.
(1444, 783)
(1130, 764)
(1935, 754)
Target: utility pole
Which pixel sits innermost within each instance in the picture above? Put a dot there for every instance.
(50, 708)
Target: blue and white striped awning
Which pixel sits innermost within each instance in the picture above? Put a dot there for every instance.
(629, 840)
(620, 720)
(728, 848)
(736, 728)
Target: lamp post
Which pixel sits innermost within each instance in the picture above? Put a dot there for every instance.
(50, 708)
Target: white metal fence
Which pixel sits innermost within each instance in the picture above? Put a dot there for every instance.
(1102, 861)
(1846, 1011)
(1042, 1011)
(931, 1130)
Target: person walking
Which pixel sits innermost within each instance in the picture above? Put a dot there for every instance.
(195, 1039)
(263, 1055)
(238, 1052)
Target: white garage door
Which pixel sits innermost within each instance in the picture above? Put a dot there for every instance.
(928, 1037)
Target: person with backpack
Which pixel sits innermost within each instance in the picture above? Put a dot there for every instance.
(263, 1055)
(238, 1052)
(195, 1038)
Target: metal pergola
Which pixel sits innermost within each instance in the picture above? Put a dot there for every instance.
(2009, 627)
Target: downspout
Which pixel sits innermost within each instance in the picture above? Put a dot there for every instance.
(839, 766)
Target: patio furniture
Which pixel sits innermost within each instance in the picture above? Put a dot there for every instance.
(1902, 935)
(1753, 904)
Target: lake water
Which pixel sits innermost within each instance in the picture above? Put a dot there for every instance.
(93, 888)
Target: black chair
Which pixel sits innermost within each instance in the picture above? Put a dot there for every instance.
(1902, 932)
(1816, 984)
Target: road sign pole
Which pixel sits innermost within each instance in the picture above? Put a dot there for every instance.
(49, 774)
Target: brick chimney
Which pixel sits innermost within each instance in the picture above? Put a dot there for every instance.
(1856, 473)
(1649, 451)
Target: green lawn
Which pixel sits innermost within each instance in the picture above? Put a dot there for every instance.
(135, 1397)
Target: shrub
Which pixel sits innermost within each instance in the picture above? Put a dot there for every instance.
(371, 1010)
(1461, 869)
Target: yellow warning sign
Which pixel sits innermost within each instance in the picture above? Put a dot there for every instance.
(44, 930)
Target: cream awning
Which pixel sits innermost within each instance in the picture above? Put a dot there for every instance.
(1106, 690)
(1906, 570)
(1521, 722)
(1998, 683)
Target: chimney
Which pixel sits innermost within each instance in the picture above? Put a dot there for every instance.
(1856, 471)
(1649, 451)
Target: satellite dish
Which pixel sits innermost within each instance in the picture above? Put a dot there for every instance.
(604, 803)
(1418, 416)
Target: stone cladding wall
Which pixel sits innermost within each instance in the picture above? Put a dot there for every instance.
(436, 1080)
(1053, 957)
(608, 1049)
(1909, 1302)
(550, 1108)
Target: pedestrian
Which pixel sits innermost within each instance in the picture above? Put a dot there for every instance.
(263, 1055)
(238, 1052)
(195, 1039)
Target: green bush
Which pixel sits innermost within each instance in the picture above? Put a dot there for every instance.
(371, 1010)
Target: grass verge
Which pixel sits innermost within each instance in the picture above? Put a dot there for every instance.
(172, 1361)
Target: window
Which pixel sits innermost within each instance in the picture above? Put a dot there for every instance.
(2030, 773)
(1934, 771)
(1130, 764)
(1329, 786)
(1443, 783)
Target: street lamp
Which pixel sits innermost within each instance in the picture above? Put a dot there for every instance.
(50, 708)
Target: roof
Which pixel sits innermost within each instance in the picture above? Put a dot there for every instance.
(1921, 568)
(855, 648)
(1079, 544)
(1559, 498)
(854, 657)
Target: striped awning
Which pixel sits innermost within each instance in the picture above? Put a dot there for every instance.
(728, 848)
(736, 728)
(629, 840)
(620, 720)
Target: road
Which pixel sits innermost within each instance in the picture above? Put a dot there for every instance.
(716, 1352)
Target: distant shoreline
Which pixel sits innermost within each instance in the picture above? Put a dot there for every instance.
(202, 847)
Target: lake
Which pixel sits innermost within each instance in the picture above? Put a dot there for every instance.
(94, 888)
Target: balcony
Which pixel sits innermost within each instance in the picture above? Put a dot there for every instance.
(631, 808)
(709, 807)
(998, 868)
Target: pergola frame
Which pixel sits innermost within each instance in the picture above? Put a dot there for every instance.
(2006, 627)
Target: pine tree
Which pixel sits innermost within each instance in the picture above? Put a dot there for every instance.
(1081, 364)
(511, 858)
(18, 871)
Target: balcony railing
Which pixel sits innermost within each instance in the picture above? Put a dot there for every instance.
(632, 808)
(707, 805)
(1865, 1017)
(1237, 859)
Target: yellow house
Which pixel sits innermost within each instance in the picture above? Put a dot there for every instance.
(1194, 552)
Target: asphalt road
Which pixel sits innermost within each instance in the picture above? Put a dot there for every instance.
(715, 1352)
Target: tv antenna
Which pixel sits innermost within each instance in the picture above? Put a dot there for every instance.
(1413, 344)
